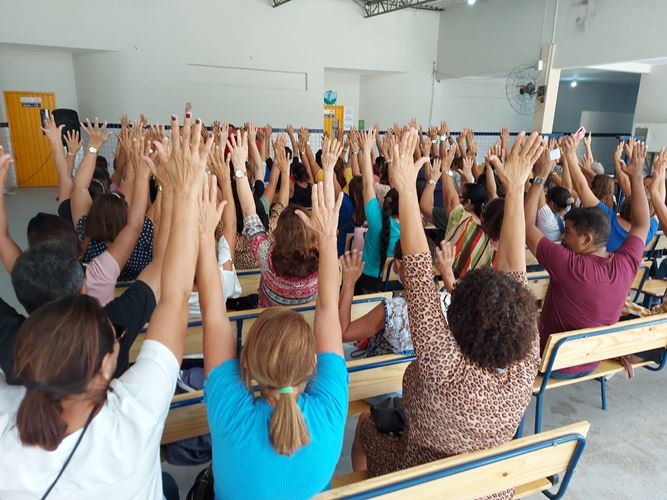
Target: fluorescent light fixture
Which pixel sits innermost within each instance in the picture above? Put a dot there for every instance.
(540, 65)
(573, 83)
(471, 2)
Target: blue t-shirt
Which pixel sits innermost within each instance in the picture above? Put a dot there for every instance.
(374, 236)
(345, 222)
(245, 465)
(618, 233)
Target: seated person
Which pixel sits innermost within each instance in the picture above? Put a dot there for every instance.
(588, 284)
(473, 375)
(552, 209)
(72, 407)
(295, 427)
(288, 266)
(386, 327)
(100, 222)
(620, 224)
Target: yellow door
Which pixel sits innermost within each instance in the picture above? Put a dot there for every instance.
(332, 113)
(30, 148)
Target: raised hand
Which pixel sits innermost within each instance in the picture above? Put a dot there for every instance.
(73, 142)
(97, 133)
(518, 164)
(619, 151)
(447, 161)
(630, 146)
(224, 134)
(586, 163)
(238, 147)
(505, 135)
(210, 209)
(323, 219)
(351, 266)
(403, 171)
(445, 256)
(124, 122)
(281, 160)
(444, 129)
(252, 131)
(587, 140)
(660, 162)
(466, 169)
(367, 139)
(185, 163)
(636, 166)
(5, 161)
(544, 165)
(432, 170)
(53, 132)
(219, 163)
(432, 133)
(331, 150)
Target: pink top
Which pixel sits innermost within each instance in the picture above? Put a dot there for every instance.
(585, 290)
(101, 276)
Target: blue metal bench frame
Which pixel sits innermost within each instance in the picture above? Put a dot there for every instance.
(475, 464)
(546, 376)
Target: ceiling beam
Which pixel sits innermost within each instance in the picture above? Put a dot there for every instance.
(278, 3)
(374, 8)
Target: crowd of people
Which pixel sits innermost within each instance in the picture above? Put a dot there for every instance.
(185, 208)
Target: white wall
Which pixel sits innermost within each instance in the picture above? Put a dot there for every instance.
(36, 70)
(651, 102)
(593, 96)
(480, 103)
(155, 41)
(347, 85)
(492, 37)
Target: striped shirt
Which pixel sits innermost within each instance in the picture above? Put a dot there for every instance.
(276, 289)
(472, 245)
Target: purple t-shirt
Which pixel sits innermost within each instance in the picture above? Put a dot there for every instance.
(585, 290)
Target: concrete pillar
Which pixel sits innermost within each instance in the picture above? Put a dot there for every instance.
(545, 108)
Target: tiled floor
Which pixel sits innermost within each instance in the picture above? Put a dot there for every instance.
(622, 458)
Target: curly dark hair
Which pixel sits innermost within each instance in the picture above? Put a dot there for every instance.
(389, 210)
(493, 318)
(295, 252)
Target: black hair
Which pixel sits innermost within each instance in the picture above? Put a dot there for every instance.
(476, 195)
(590, 220)
(389, 210)
(298, 171)
(47, 227)
(46, 272)
(560, 197)
(318, 157)
(492, 218)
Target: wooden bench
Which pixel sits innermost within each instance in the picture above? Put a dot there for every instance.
(242, 321)
(525, 465)
(249, 279)
(368, 377)
(604, 344)
(656, 247)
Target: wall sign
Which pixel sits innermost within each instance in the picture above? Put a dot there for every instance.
(31, 102)
(330, 97)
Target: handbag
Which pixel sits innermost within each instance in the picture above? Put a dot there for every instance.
(202, 489)
(389, 416)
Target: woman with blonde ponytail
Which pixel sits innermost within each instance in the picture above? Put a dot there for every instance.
(294, 427)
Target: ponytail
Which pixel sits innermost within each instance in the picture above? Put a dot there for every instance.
(39, 420)
(287, 430)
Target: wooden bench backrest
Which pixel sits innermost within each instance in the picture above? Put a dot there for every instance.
(361, 305)
(607, 342)
(368, 377)
(474, 475)
(249, 280)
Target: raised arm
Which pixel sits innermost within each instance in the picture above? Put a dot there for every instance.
(432, 175)
(281, 162)
(513, 174)
(491, 188)
(73, 145)
(657, 188)
(81, 201)
(450, 197)
(238, 147)
(53, 134)
(219, 342)
(445, 256)
(9, 250)
(324, 221)
(255, 158)
(184, 171)
(367, 166)
(569, 150)
(640, 216)
(220, 167)
(533, 201)
(121, 248)
(622, 179)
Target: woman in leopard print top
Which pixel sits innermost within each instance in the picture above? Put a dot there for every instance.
(473, 376)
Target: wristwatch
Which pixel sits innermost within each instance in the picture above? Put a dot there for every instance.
(538, 180)
(444, 137)
(433, 141)
(239, 174)
(92, 150)
(432, 182)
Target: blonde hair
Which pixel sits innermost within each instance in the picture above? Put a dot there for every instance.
(280, 352)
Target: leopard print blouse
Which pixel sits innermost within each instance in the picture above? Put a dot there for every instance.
(452, 405)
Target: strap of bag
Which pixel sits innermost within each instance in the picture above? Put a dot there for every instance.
(71, 454)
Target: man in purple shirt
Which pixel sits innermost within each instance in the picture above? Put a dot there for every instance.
(588, 285)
